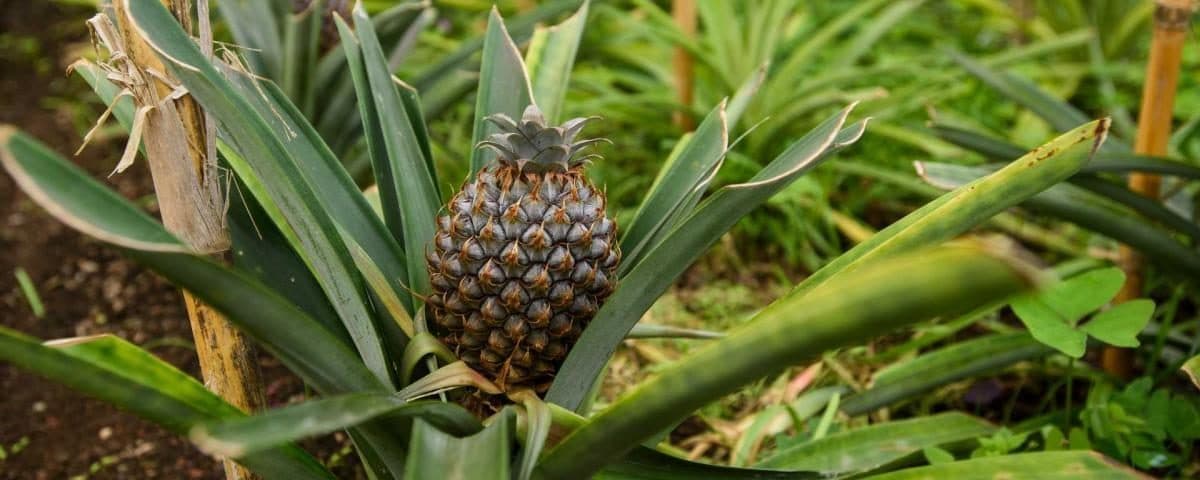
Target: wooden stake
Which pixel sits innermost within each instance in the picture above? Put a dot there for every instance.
(1154, 130)
(685, 18)
(178, 143)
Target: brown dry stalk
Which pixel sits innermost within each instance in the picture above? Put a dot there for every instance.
(685, 18)
(1154, 130)
(178, 144)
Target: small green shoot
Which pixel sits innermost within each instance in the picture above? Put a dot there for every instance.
(30, 291)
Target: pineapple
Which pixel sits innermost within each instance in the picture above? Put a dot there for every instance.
(524, 255)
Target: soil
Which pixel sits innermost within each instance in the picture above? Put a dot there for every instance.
(48, 431)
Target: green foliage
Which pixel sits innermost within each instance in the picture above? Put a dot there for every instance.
(1053, 315)
(330, 280)
(1152, 428)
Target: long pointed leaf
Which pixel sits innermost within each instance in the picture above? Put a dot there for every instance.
(867, 448)
(243, 435)
(130, 378)
(407, 186)
(503, 87)
(941, 367)
(1066, 465)
(550, 58)
(683, 245)
(958, 211)
(688, 174)
(483, 456)
(1088, 210)
(251, 136)
(888, 295)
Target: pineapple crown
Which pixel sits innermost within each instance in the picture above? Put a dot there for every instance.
(531, 145)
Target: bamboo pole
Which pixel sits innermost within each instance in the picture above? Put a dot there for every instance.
(1171, 19)
(178, 142)
(684, 12)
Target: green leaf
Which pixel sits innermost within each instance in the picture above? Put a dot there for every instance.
(397, 28)
(356, 220)
(301, 45)
(97, 211)
(937, 456)
(638, 290)
(237, 437)
(649, 464)
(1059, 114)
(867, 448)
(407, 187)
(124, 375)
(286, 187)
(1090, 211)
(298, 340)
(503, 87)
(1084, 293)
(1040, 465)
(930, 370)
(1049, 326)
(1149, 208)
(879, 298)
(520, 26)
(485, 455)
(255, 27)
(680, 182)
(550, 57)
(537, 422)
(1121, 324)
(956, 212)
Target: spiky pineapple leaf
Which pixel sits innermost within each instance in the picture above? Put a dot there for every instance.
(355, 219)
(550, 56)
(867, 448)
(1104, 161)
(99, 212)
(294, 337)
(482, 456)
(681, 181)
(407, 185)
(120, 373)
(940, 367)
(520, 28)
(882, 296)
(958, 211)
(239, 436)
(1061, 465)
(397, 28)
(638, 290)
(1059, 114)
(504, 87)
(253, 137)
(300, 342)
(255, 26)
(1088, 210)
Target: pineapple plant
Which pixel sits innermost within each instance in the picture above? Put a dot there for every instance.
(524, 256)
(380, 310)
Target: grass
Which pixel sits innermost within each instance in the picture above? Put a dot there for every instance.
(29, 290)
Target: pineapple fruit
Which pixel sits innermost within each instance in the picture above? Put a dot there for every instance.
(524, 255)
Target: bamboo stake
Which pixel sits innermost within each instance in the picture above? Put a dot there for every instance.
(684, 12)
(1154, 130)
(191, 201)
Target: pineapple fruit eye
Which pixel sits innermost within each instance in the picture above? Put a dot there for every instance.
(523, 258)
